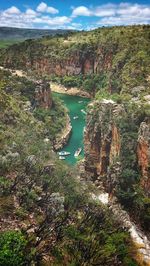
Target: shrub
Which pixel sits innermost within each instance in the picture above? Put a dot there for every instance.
(13, 249)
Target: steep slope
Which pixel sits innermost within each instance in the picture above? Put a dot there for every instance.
(117, 153)
(114, 58)
(48, 216)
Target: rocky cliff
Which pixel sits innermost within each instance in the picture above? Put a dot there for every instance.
(43, 95)
(105, 136)
(102, 137)
(117, 154)
(117, 55)
(143, 152)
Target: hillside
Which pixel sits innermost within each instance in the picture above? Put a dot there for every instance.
(47, 215)
(7, 33)
(115, 59)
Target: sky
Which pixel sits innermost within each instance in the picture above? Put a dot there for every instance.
(77, 14)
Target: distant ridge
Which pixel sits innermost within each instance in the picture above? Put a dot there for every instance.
(8, 33)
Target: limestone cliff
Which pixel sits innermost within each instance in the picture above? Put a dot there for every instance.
(109, 140)
(106, 52)
(143, 151)
(117, 154)
(43, 96)
(102, 137)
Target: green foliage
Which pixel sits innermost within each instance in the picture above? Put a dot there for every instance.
(129, 192)
(7, 43)
(116, 58)
(5, 185)
(48, 117)
(90, 242)
(13, 249)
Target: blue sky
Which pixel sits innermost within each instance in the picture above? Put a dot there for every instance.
(77, 14)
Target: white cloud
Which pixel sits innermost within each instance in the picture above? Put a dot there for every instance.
(116, 14)
(32, 19)
(104, 10)
(106, 15)
(81, 11)
(30, 12)
(126, 20)
(127, 14)
(55, 21)
(44, 8)
(13, 10)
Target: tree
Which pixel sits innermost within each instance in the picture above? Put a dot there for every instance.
(13, 249)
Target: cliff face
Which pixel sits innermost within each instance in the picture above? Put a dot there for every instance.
(143, 152)
(107, 151)
(102, 137)
(72, 64)
(43, 95)
(105, 52)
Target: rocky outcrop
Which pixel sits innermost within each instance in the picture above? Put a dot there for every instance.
(102, 137)
(43, 96)
(138, 237)
(143, 152)
(106, 149)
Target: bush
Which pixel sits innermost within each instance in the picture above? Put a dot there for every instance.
(13, 249)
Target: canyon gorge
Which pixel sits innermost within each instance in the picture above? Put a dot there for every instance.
(112, 66)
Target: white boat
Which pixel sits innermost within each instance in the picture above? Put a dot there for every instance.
(62, 158)
(80, 101)
(83, 111)
(75, 117)
(78, 151)
(63, 153)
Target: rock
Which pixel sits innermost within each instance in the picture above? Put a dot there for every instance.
(101, 137)
(57, 203)
(43, 96)
(147, 97)
(137, 90)
(46, 140)
(143, 152)
(27, 106)
(138, 237)
(31, 160)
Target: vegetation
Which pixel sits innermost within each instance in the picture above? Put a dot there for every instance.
(46, 212)
(115, 59)
(48, 117)
(6, 43)
(17, 34)
(129, 192)
(13, 249)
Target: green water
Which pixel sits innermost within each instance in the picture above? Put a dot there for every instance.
(74, 104)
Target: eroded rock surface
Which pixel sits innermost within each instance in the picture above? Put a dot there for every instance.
(43, 96)
(143, 152)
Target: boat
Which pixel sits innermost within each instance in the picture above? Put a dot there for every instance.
(80, 101)
(62, 158)
(64, 153)
(78, 151)
(83, 111)
(75, 117)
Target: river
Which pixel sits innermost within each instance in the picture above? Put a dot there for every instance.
(74, 105)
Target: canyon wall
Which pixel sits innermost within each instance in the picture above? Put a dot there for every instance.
(104, 140)
(43, 95)
(143, 152)
(102, 137)
(72, 64)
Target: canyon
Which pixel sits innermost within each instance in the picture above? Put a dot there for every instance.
(116, 136)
